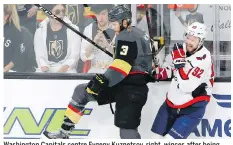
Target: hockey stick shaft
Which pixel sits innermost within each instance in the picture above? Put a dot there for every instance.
(149, 28)
(151, 40)
(148, 18)
(73, 29)
(153, 53)
(107, 36)
(83, 36)
(149, 24)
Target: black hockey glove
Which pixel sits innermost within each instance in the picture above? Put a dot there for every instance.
(200, 90)
(98, 83)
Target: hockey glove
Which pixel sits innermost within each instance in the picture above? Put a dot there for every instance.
(200, 90)
(178, 56)
(162, 74)
(98, 83)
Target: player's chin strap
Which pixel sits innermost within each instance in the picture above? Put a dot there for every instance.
(200, 45)
(122, 27)
(128, 23)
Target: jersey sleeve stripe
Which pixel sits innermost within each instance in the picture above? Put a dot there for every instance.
(183, 75)
(118, 70)
(189, 71)
(212, 82)
(121, 66)
(137, 72)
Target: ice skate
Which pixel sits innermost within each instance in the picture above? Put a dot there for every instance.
(61, 134)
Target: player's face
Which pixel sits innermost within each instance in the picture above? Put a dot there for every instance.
(102, 18)
(191, 43)
(125, 25)
(116, 26)
(59, 11)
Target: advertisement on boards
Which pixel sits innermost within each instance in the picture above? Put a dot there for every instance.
(38, 105)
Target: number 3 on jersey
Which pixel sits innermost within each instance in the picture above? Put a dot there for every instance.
(124, 50)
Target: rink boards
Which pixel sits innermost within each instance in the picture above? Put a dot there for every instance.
(31, 106)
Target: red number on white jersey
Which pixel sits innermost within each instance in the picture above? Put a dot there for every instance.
(197, 72)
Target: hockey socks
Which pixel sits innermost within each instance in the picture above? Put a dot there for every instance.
(72, 116)
(73, 113)
(67, 124)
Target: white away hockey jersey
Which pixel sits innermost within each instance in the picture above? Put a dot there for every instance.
(198, 69)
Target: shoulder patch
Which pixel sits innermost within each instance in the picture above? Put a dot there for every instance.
(201, 57)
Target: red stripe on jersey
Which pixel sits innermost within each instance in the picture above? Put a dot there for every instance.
(189, 71)
(75, 110)
(118, 70)
(212, 82)
(194, 100)
(137, 72)
(212, 75)
(183, 75)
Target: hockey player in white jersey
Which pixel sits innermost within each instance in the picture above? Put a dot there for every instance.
(190, 89)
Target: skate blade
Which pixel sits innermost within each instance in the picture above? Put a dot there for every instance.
(45, 135)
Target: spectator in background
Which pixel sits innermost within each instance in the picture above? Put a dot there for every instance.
(57, 47)
(75, 14)
(194, 16)
(99, 60)
(18, 43)
(141, 18)
(27, 14)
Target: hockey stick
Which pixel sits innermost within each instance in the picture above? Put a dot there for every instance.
(73, 29)
(153, 53)
(107, 36)
(149, 30)
(151, 40)
(149, 23)
(80, 34)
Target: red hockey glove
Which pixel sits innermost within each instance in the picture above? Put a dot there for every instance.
(163, 73)
(178, 56)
